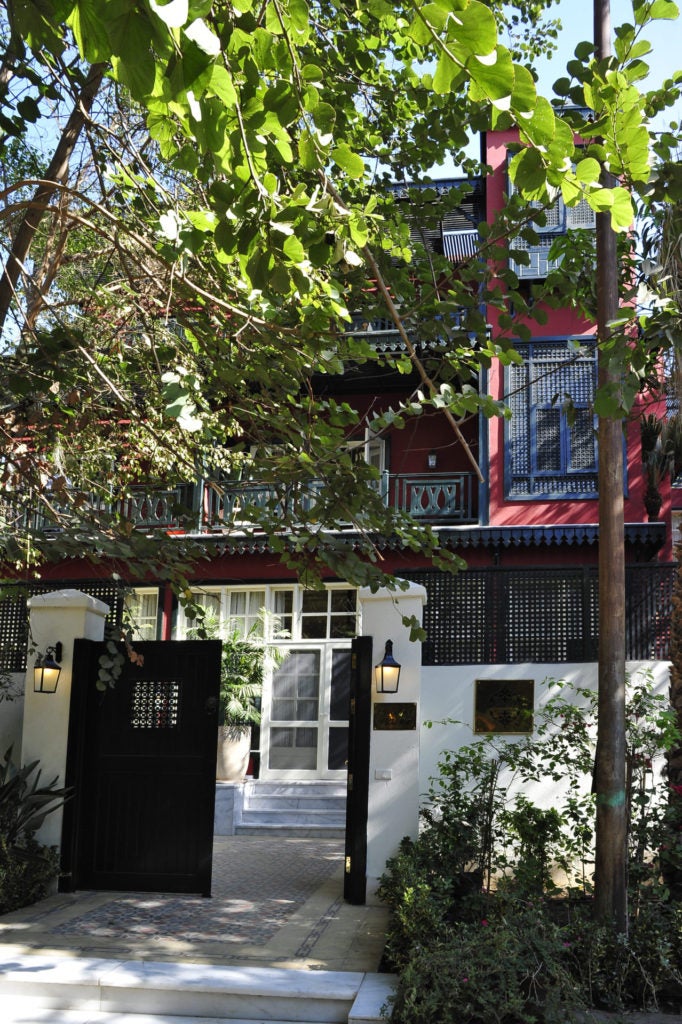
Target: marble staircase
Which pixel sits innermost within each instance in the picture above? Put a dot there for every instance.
(80, 990)
(303, 809)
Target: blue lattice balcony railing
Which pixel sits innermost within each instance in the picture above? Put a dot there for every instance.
(145, 508)
(221, 506)
(382, 335)
(148, 509)
(446, 497)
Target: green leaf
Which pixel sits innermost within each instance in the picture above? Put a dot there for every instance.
(89, 31)
(221, 84)
(300, 19)
(29, 109)
(324, 117)
(524, 95)
(493, 81)
(588, 170)
(622, 212)
(311, 73)
(527, 171)
(542, 126)
(448, 74)
(663, 10)
(475, 28)
(348, 161)
(293, 249)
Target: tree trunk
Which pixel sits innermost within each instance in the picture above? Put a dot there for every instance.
(609, 768)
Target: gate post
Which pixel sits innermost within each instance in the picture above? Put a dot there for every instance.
(393, 810)
(64, 616)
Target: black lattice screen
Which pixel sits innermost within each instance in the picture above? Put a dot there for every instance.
(511, 616)
(649, 603)
(14, 614)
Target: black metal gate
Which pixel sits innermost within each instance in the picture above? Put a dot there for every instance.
(141, 760)
(355, 876)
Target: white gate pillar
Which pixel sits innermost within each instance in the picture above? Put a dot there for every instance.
(64, 616)
(393, 810)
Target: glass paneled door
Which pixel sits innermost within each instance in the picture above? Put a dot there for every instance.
(305, 733)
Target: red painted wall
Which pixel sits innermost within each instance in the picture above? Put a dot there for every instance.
(560, 323)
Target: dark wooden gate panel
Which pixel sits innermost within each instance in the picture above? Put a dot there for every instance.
(355, 876)
(142, 763)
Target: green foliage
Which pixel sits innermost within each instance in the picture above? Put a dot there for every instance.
(26, 867)
(194, 281)
(24, 803)
(241, 680)
(243, 661)
(499, 888)
(26, 872)
(497, 970)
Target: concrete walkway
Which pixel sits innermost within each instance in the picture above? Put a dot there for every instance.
(277, 902)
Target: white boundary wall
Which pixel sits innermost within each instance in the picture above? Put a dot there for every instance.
(447, 692)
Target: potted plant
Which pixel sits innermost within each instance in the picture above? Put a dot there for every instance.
(241, 686)
(658, 459)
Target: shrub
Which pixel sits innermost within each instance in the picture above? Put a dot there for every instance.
(508, 968)
(479, 930)
(27, 870)
(26, 867)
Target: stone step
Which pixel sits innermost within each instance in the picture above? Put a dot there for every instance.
(272, 802)
(284, 788)
(302, 816)
(287, 831)
(39, 984)
(23, 1010)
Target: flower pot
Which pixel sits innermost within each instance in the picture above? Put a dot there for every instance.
(234, 747)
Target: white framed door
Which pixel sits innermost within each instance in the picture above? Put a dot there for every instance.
(304, 729)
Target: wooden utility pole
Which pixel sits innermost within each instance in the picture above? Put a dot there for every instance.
(609, 768)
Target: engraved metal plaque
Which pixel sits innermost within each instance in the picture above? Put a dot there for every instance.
(395, 717)
(504, 705)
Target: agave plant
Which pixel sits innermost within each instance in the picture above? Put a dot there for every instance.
(24, 802)
(660, 457)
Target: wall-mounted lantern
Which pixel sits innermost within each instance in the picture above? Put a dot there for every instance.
(432, 460)
(47, 670)
(387, 672)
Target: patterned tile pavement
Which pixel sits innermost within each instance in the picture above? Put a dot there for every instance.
(276, 900)
(247, 906)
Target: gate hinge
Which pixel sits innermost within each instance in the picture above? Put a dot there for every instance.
(347, 865)
(350, 783)
(352, 705)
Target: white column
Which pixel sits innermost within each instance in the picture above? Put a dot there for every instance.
(63, 615)
(393, 810)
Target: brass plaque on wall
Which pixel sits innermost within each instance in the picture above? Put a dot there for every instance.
(395, 717)
(504, 705)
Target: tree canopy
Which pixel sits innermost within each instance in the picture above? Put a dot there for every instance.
(196, 200)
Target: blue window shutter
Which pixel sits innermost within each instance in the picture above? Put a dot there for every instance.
(551, 447)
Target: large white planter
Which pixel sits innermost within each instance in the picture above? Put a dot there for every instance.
(234, 747)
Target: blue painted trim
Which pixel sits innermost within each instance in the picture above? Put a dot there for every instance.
(534, 475)
(484, 459)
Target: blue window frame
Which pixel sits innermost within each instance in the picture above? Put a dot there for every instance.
(551, 442)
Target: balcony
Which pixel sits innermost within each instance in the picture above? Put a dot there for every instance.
(446, 498)
(146, 509)
(381, 333)
(219, 506)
